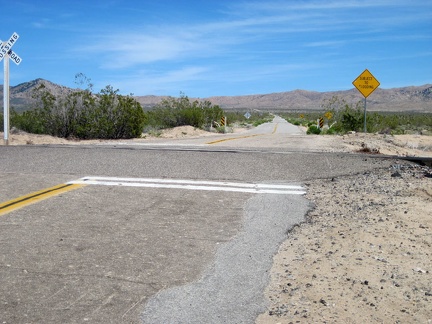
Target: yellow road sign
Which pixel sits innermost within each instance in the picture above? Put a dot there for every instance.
(366, 83)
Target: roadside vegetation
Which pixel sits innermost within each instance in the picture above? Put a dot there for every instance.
(109, 115)
(173, 112)
(340, 118)
(255, 119)
(83, 114)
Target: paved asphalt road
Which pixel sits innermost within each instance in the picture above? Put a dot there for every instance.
(170, 234)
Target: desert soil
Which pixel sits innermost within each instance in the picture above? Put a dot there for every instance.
(364, 254)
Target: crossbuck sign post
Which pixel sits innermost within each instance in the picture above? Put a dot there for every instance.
(6, 53)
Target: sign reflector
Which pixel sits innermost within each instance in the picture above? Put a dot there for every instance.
(14, 57)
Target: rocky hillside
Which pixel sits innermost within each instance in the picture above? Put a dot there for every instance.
(412, 98)
(21, 95)
(397, 99)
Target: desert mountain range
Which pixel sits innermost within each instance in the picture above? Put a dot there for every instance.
(407, 99)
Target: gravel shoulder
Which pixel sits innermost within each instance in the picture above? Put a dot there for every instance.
(363, 256)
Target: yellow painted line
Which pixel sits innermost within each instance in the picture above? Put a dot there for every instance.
(233, 138)
(275, 128)
(34, 197)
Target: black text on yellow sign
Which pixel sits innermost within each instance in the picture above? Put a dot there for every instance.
(366, 83)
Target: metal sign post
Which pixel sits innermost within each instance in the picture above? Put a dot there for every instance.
(6, 118)
(366, 84)
(365, 129)
(6, 53)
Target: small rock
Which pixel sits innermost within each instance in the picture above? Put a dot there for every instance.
(396, 175)
(322, 301)
(419, 270)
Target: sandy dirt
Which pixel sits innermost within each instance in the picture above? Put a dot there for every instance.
(17, 137)
(364, 255)
(399, 145)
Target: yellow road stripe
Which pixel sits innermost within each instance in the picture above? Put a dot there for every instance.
(233, 138)
(275, 128)
(34, 197)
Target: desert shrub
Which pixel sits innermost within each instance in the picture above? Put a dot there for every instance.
(399, 123)
(256, 117)
(221, 129)
(330, 131)
(82, 114)
(350, 119)
(28, 121)
(313, 130)
(172, 112)
(342, 116)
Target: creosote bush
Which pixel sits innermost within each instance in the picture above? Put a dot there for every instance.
(83, 115)
(342, 118)
(173, 112)
(313, 130)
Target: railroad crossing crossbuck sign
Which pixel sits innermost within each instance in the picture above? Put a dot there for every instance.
(6, 49)
(6, 53)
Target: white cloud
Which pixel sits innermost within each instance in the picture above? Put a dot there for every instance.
(278, 6)
(126, 49)
(219, 38)
(253, 41)
(43, 23)
(148, 81)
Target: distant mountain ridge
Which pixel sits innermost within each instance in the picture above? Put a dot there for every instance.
(21, 95)
(410, 98)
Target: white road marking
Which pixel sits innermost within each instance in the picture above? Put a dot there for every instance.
(193, 185)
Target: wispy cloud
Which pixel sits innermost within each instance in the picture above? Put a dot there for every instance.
(42, 23)
(325, 44)
(279, 6)
(124, 50)
(246, 23)
(248, 42)
(149, 81)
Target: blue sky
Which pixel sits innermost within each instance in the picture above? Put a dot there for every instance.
(211, 48)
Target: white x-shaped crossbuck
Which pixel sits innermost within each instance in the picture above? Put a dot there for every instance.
(6, 49)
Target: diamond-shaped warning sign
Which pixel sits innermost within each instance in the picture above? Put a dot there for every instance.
(366, 83)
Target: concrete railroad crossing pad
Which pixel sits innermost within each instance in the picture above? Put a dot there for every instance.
(64, 277)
